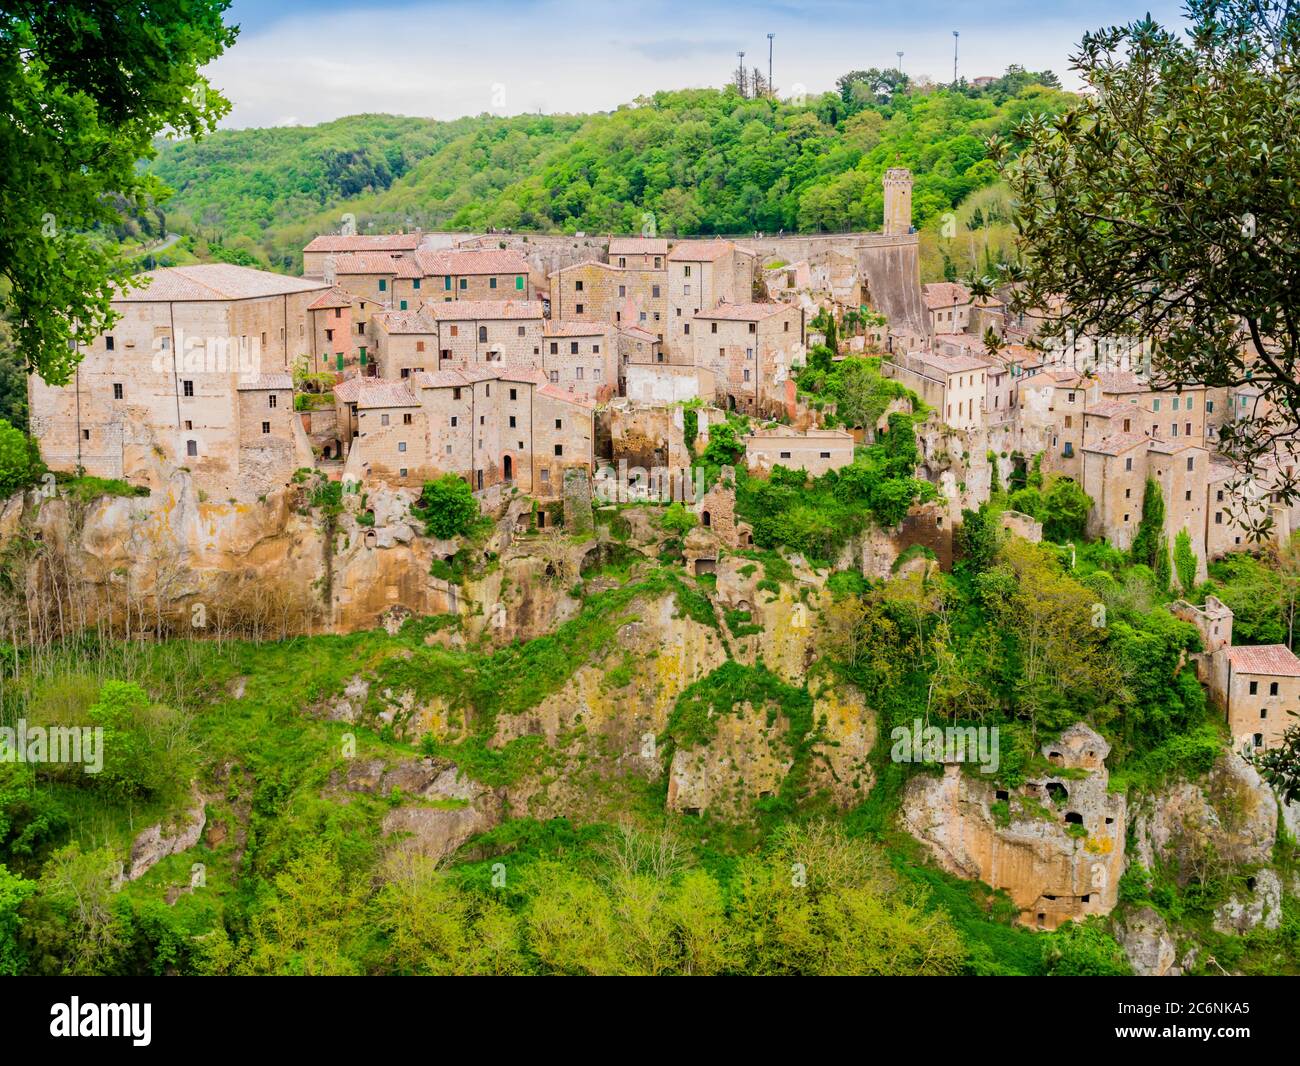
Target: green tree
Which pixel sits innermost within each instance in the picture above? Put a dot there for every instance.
(1185, 562)
(1064, 510)
(13, 891)
(1149, 539)
(84, 89)
(20, 462)
(1084, 949)
(447, 507)
(978, 538)
(677, 519)
(1162, 203)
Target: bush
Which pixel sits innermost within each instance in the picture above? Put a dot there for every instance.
(20, 460)
(447, 508)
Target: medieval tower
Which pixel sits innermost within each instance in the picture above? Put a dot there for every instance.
(898, 202)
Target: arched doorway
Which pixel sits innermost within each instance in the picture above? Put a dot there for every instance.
(508, 468)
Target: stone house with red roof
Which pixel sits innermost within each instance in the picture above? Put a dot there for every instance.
(750, 348)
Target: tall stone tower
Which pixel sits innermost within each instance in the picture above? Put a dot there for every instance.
(898, 202)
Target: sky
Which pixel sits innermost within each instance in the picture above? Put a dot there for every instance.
(309, 61)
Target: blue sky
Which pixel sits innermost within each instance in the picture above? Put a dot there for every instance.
(308, 61)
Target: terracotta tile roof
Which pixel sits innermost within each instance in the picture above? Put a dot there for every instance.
(960, 340)
(405, 322)
(638, 333)
(939, 295)
(1118, 443)
(374, 392)
(364, 242)
(589, 263)
(461, 262)
(700, 251)
(1171, 447)
(951, 364)
(638, 246)
(372, 263)
(557, 393)
(571, 328)
(447, 379)
(491, 310)
(1121, 382)
(380, 393)
(1275, 659)
(743, 312)
(1111, 409)
(334, 297)
(265, 383)
(215, 281)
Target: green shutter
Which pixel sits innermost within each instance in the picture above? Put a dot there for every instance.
(446, 282)
(403, 307)
(363, 356)
(519, 282)
(340, 360)
(383, 284)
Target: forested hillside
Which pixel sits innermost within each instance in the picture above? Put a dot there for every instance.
(701, 161)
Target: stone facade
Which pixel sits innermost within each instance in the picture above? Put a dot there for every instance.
(817, 450)
(161, 390)
(750, 348)
(618, 296)
(702, 275)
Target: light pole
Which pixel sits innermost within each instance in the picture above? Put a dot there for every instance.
(900, 61)
(741, 73)
(955, 35)
(769, 64)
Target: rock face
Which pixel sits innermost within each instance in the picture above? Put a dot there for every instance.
(1232, 813)
(1056, 847)
(158, 841)
(1261, 906)
(1146, 942)
(455, 807)
(745, 761)
(842, 762)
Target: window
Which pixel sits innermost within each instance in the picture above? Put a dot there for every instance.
(108, 343)
(686, 329)
(559, 423)
(686, 270)
(577, 286)
(559, 449)
(746, 373)
(1187, 432)
(1272, 688)
(1173, 404)
(383, 284)
(273, 400)
(407, 418)
(555, 347)
(1128, 463)
(784, 455)
(577, 309)
(189, 424)
(1155, 405)
(401, 305)
(1209, 407)
(85, 434)
(554, 375)
(521, 331)
(383, 420)
(187, 388)
(492, 283)
(622, 290)
(455, 421)
(713, 327)
(361, 329)
(573, 347)
(1128, 494)
(825, 455)
(622, 261)
(406, 371)
(464, 283)
(654, 291)
(1254, 687)
(401, 472)
(117, 390)
(519, 283)
(512, 422)
(415, 284)
(1125, 517)
(577, 372)
(191, 447)
(1188, 496)
(455, 394)
(482, 334)
(401, 445)
(329, 334)
(446, 283)
(266, 427)
(595, 349)
(753, 327)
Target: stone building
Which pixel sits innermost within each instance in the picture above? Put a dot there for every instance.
(1255, 686)
(332, 344)
(320, 249)
(390, 280)
(948, 305)
(405, 342)
(161, 390)
(459, 274)
(488, 333)
(897, 183)
(751, 349)
(816, 450)
(487, 426)
(702, 275)
(637, 345)
(626, 297)
(579, 358)
(647, 253)
(956, 386)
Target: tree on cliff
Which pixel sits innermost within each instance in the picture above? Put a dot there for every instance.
(85, 86)
(1150, 537)
(1165, 204)
(446, 507)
